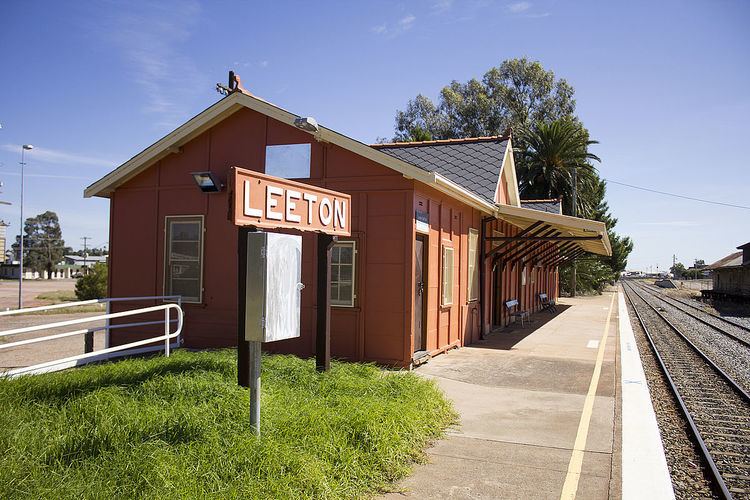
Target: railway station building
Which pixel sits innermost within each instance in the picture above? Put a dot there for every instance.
(440, 239)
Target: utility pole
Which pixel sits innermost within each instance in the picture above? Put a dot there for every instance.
(24, 148)
(85, 252)
(575, 214)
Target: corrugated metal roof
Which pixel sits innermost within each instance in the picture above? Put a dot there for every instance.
(733, 259)
(473, 164)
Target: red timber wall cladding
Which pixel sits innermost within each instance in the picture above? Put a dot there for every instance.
(379, 326)
(382, 224)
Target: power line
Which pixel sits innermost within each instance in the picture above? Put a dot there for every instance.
(679, 195)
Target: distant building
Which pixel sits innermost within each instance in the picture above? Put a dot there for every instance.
(80, 261)
(731, 276)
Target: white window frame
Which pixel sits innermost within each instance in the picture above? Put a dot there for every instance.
(167, 245)
(447, 301)
(472, 287)
(351, 302)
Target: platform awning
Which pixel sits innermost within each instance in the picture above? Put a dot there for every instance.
(570, 235)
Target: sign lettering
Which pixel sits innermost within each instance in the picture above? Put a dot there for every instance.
(270, 202)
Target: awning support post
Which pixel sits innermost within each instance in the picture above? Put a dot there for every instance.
(482, 268)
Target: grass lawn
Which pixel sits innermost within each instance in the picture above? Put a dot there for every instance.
(58, 296)
(179, 427)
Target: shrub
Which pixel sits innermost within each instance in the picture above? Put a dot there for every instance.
(94, 284)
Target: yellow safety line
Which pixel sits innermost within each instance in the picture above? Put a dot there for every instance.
(576, 460)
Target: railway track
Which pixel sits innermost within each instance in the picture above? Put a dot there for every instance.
(721, 325)
(690, 305)
(716, 409)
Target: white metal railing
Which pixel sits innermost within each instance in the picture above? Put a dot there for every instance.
(108, 352)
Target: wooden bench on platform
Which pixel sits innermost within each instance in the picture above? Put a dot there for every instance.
(515, 312)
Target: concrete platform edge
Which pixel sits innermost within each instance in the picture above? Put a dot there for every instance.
(644, 466)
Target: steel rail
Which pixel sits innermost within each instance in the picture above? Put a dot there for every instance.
(706, 455)
(734, 385)
(720, 318)
(659, 296)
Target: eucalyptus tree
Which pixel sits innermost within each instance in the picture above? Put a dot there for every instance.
(515, 94)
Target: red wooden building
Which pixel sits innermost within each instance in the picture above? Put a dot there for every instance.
(440, 239)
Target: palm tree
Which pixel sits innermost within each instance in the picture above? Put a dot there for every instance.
(551, 154)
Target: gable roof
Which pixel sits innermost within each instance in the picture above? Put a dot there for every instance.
(241, 99)
(457, 187)
(733, 259)
(552, 206)
(475, 164)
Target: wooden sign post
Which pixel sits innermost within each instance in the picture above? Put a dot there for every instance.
(260, 201)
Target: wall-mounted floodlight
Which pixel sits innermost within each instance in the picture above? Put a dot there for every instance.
(207, 182)
(306, 123)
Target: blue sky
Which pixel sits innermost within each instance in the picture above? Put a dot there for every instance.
(662, 85)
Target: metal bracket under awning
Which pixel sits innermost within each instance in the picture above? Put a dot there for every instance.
(545, 239)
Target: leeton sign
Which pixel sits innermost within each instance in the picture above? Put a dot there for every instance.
(270, 266)
(268, 202)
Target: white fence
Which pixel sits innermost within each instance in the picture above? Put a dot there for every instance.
(171, 339)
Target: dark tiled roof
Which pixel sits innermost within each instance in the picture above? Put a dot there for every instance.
(474, 164)
(551, 206)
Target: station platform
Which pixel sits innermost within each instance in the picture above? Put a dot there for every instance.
(539, 410)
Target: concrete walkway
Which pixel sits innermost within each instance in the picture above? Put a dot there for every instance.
(522, 397)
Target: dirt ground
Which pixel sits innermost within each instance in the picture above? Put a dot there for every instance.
(49, 350)
(43, 351)
(31, 288)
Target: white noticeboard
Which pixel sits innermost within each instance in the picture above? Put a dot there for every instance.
(273, 287)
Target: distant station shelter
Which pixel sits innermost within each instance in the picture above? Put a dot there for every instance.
(440, 240)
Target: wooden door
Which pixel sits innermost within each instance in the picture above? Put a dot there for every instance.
(420, 293)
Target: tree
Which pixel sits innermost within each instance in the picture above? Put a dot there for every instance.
(91, 252)
(594, 272)
(94, 284)
(678, 270)
(43, 243)
(552, 151)
(516, 94)
(548, 144)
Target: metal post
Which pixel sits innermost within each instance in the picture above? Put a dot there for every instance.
(573, 276)
(106, 325)
(248, 353)
(20, 231)
(254, 375)
(166, 332)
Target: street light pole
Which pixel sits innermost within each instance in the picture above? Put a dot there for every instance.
(24, 148)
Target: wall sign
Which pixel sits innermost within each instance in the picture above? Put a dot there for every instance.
(265, 201)
(422, 221)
